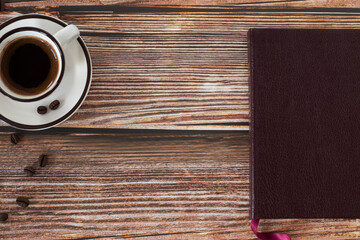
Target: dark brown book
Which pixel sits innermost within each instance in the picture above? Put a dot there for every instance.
(305, 123)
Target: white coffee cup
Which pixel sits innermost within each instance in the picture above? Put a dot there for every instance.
(57, 42)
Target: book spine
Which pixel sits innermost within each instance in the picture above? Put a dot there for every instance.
(251, 101)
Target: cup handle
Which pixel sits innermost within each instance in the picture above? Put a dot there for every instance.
(67, 35)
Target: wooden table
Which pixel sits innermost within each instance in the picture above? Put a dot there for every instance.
(120, 167)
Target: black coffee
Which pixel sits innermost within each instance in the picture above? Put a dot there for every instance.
(29, 66)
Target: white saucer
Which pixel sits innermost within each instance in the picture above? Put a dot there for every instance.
(71, 92)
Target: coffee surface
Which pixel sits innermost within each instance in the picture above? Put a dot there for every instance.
(29, 66)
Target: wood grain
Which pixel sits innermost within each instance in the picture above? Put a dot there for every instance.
(303, 4)
(173, 70)
(138, 184)
(157, 65)
(162, 185)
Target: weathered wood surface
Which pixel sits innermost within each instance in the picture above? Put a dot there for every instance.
(300, 4)
(139, 184)
(170, 68)
(164, 65)
(163, 185)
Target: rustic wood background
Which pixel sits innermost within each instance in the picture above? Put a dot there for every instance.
(168, 66)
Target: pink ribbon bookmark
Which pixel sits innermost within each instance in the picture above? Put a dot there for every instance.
(267, 236)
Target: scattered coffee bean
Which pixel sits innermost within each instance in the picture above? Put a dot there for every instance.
(29, 171)
(14, 138)
(42, 110)
(54, 105)
(43, 160)
(22, 202)
(3, 217)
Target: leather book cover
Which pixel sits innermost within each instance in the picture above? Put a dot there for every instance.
(305, 123)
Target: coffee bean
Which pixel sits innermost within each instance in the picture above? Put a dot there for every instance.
(14, 138)
(42, 110)
(43, 160)
(3, 217)
(29, 171)
(22, 202)
(54, 105)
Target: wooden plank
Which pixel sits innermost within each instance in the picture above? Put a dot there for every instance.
(160, 76)
(162, 185)
(173, 70)
(194, 3)
(132, 184)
